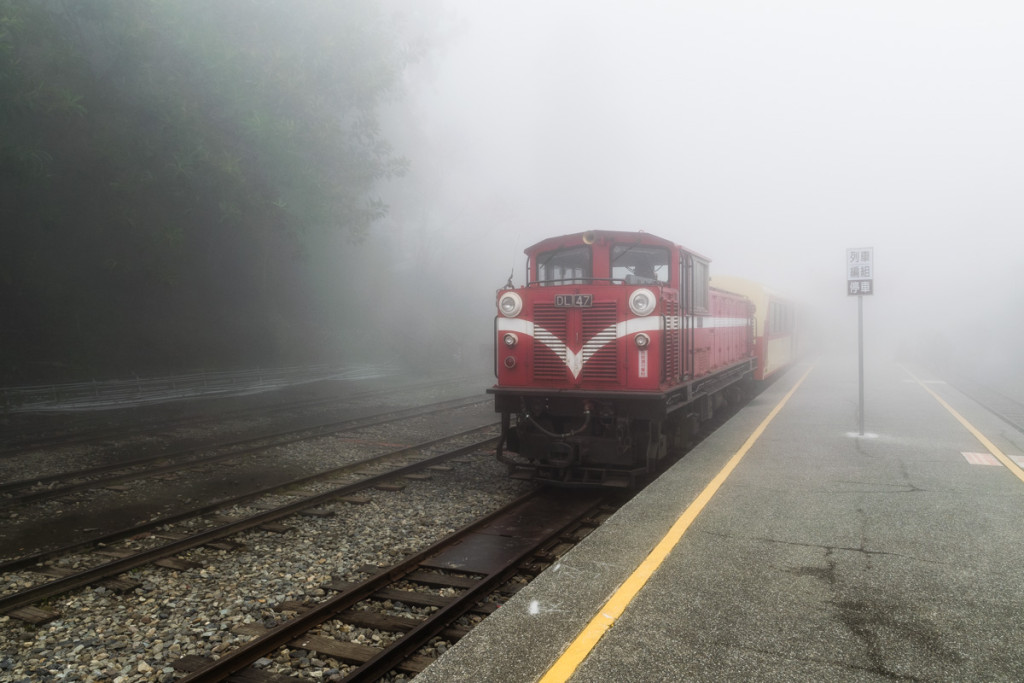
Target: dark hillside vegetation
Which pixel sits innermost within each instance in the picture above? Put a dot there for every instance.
(168, 170)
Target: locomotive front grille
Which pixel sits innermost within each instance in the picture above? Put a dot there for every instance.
(590, 330)
(551, 327)
(598, 327)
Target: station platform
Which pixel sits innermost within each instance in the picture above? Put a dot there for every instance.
(789, 547)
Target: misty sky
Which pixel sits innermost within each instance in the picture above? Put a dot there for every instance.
(768, 136)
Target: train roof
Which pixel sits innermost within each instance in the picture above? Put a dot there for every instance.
(598, 236)
(759, 294)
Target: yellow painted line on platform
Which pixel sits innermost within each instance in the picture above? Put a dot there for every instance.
(1002, 457)
(566, 665)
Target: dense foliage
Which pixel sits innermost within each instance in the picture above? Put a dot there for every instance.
(167, 168)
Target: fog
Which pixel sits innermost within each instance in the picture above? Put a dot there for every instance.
(769, 137)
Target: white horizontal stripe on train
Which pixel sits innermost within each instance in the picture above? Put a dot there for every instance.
(651, 323)
(705, 321)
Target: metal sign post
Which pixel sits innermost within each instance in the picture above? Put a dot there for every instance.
(860, 281)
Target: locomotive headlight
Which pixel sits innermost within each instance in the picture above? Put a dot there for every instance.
(642, 302)
(510, 339)
(642, 341)
(510, 304)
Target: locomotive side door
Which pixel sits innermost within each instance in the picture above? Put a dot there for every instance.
(686, 312)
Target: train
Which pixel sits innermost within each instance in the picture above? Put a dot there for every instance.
(619, 345)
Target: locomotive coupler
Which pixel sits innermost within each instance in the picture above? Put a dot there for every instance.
(587, 408)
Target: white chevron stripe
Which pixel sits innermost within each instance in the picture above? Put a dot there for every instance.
(575, 360)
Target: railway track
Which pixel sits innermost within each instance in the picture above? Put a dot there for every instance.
(147, 574)
(18, 493)
(392, 465)
(446, 587)
(53, 515)
(121, 424)
(473, 563)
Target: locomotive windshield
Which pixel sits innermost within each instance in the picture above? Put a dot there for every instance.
(572, 266)
(639, 264)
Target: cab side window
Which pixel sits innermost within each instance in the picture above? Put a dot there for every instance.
(701, 285)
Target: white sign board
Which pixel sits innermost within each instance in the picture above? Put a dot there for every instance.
(860, 271)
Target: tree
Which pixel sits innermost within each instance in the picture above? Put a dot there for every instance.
(165, 166)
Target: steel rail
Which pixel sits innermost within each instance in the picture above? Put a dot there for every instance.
(284, 438)
(419, 636)
(28, 560)
(244, 656)
(9, 448)
(118, 566)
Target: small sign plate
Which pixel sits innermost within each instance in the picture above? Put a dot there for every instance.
(574, 300)
(860, 271)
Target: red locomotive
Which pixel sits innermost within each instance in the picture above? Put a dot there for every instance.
(611, 356)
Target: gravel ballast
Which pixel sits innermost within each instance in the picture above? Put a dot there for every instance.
(127, 637)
